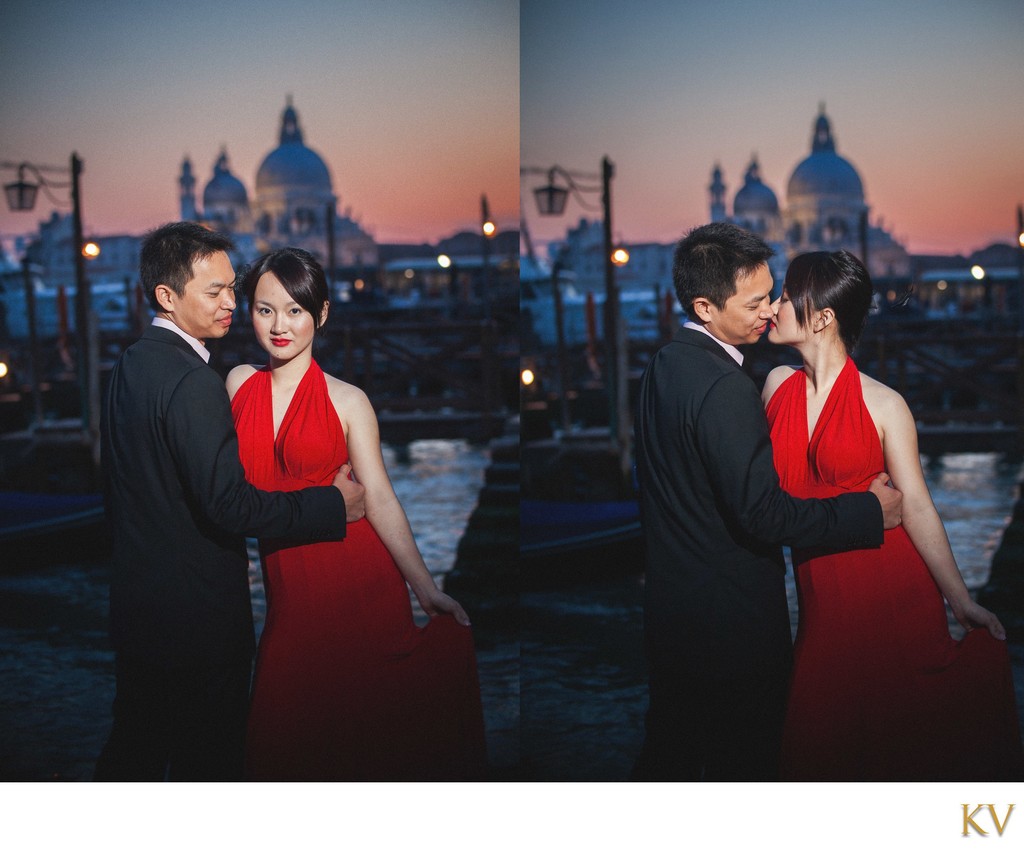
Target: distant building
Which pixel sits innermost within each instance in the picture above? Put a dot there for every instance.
(987, 284)
(755, 206)
(294, 204)
(824, 209)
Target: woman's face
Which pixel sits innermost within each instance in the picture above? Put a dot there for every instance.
(283, 328)
(785, 329)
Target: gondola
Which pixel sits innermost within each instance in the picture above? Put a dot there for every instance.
(562, 542)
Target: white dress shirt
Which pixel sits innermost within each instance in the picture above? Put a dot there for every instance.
(201, 350)
(734, 352)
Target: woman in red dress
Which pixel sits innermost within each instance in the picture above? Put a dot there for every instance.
(880, 690)
(347, 686)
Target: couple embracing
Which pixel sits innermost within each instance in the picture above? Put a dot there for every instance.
(874, 688)
(346, 686)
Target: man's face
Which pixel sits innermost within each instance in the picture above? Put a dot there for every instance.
(745, 315)
(204, 311)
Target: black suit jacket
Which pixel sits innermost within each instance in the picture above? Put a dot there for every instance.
(714, 516)
(179, 508)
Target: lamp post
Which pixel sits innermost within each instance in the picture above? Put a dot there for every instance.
(1020, 269)
(551, 200)
(449, 265)
(21, 196)
(979, 274)
(34, 362)
(561, 357)
(487, 230)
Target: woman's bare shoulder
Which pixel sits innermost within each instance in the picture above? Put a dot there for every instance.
(774, 381)
(238, 376)
(344, 395)
(885, 405)
(879, 395)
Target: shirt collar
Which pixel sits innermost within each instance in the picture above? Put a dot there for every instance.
(734, 352)
(200, 349)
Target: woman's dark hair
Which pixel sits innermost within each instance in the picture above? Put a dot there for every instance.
(169, 252)
(298, 272)
(708, 261)
(838, 280)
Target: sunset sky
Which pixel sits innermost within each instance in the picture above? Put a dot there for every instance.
(413, 104)
(924, 97)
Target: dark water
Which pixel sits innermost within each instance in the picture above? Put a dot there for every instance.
(583, 676)
(564, 698)
(56, 672)
(56, 668)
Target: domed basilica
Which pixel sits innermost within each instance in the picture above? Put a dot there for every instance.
(294, 203)
(825, 209)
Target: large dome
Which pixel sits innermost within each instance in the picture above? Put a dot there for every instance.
(755, 197)
(224, 188)
(823, 172)
(292, 164)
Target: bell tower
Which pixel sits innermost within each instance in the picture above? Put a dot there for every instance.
(717, 191)
(187, 186)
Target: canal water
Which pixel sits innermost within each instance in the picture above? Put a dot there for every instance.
(56, 668)
(564, 689)
(583, 693)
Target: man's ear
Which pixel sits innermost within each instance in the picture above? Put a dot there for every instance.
(165, 297)
(702, 307)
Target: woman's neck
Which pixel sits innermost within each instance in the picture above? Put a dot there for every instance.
(287, 374)
(824, 359)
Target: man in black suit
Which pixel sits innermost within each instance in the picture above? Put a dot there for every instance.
(179, 507)
(716, 620)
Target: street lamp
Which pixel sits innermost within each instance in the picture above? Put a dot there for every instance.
(979, 274)
(21, 196)
(487, 230)
(551, 199)
(1020, 269)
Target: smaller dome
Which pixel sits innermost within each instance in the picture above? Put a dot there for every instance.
(755, 197)
(224, 189)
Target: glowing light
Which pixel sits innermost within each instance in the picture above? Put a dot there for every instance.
(527, 377)
(409, 274)
(977, 272)
(489, 228)
(941, 285)
(444, 261)
(620, 256)
(4, 369)
(359, 285)
(1020, 239)
(91, 249)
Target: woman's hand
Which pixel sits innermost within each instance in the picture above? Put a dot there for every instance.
(972, 616)
(437, 602)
